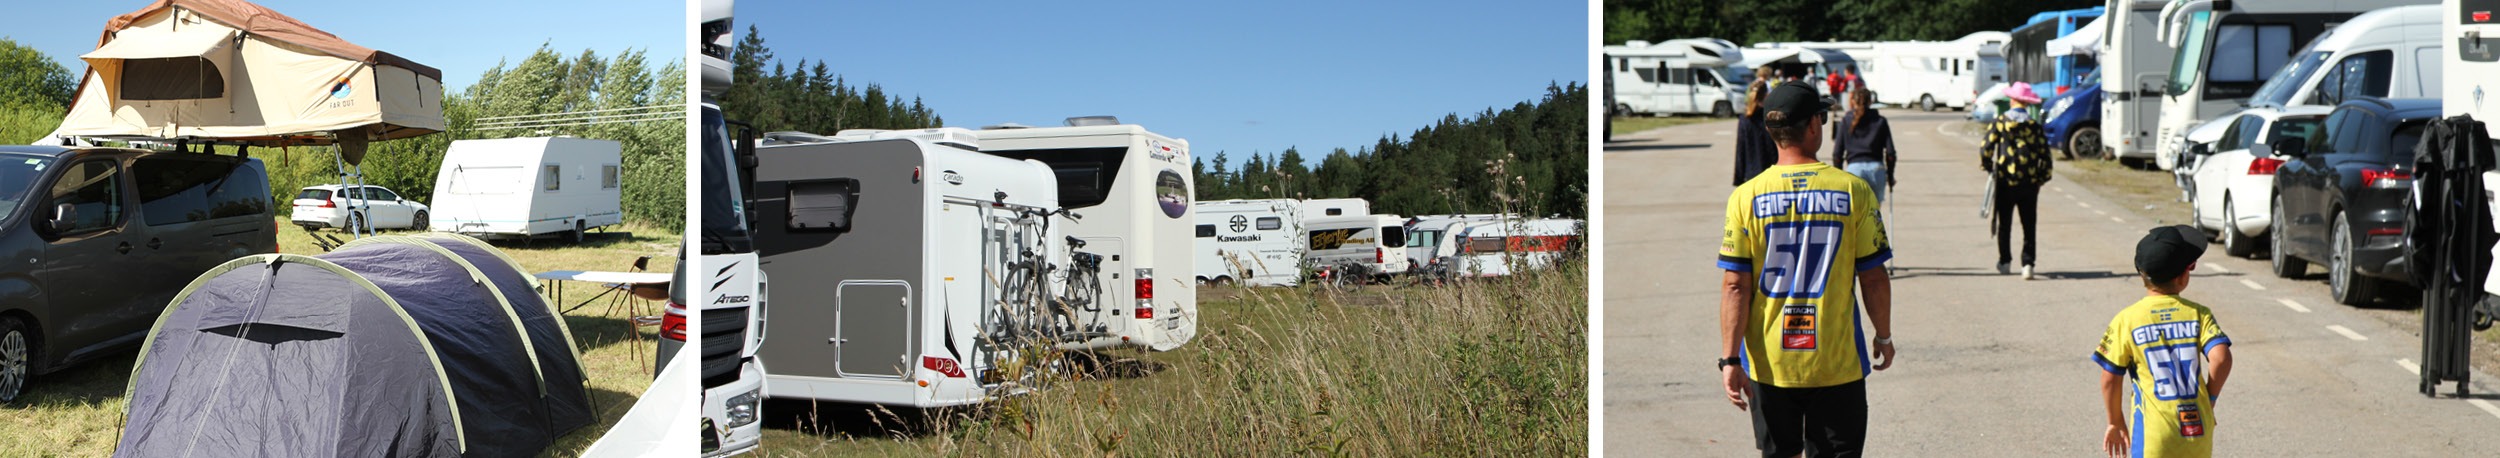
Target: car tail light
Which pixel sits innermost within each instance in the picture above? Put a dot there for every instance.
(942, 366)
(2386, 231)
(1145, 294)
(2386, 179)
(2264, 166)
(673, 323)
(329, 204)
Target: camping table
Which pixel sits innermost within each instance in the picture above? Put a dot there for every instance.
(610, 283)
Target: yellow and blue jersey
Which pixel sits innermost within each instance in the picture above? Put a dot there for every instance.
(1804, 231)
(2160, 344)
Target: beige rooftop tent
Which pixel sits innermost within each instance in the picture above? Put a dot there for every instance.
(229, 71)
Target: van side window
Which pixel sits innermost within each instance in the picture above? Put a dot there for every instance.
(1206, 230)
(2361, 75)
(822, 205)
(607, 176)
(93, 189)
(177, 190)
(1270, 223)
(1390, 234)
(552, 176)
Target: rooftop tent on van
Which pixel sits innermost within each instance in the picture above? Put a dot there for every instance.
(391, 346)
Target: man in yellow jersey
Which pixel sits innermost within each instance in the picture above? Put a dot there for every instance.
(2172, 348)
(1799, 237)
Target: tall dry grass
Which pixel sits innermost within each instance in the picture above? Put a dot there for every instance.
(1483, 368)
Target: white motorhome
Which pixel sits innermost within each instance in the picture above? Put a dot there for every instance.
(524, 187)
(1250, 242)
(1821, 59)
(1132, 189)
(2223, 55)
(1501, 248)
(1359, 244)
(913, 257)
(1431, 238)
(2134, 70)
(1674, 77)
(1928, 75)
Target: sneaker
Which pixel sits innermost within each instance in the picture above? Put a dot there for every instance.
(2026, 271)
(2004, 268)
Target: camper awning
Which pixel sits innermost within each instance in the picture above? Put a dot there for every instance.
(2086, 41)
(161, 44)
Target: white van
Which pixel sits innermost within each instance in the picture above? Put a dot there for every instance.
(1132, 189)
(1674, 77)
(1928, 75)
(1501, 248)
(1250, 242)
(897, 255)
(1358, 244)
(524, 187)
(2224, 56)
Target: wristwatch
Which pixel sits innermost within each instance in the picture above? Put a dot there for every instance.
(1730, 361)
(1883, 341)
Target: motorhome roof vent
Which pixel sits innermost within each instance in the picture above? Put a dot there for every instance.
(1082, 121)
(1005, 126)
(794, 138)
(951, 136)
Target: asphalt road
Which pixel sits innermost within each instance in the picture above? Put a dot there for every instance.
(1992, 364)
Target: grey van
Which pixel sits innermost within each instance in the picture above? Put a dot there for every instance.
(95, 241)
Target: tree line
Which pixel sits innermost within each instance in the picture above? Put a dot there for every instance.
(1756, 21)
(808, 97)
(1530, 158)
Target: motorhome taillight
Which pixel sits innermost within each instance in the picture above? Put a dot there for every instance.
(942, 366)
(673, 323)
(1380, 255)
(1145, 294)
(2264, 166)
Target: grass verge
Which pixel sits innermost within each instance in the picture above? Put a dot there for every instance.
(1629, 125)
(1486, 368)
(77, 412)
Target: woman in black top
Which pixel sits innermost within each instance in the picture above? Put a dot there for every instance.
(1863, 144)
(1754, 151)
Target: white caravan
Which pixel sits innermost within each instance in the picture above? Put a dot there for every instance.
(524, 187)
(1250, 242)
(907, 262)
(1361, 243)
(1132, 189)
(1431, 238)
(2224, 55)
(1674, 77)
(2134, 69)
(1929, 75)
(1501, 248)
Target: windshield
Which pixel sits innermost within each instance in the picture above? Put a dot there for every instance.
(724, 211)
(18, 175)
(2188, 63)
(2278, 89)
(1736, 76)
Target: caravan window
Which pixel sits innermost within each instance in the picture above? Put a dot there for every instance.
(1085, 174)
(607, 176)
(1485, 245)
(1206, 230)
(1679, 76)
(177, 78)
(552, 177)
(822, 205)
(1270, 223)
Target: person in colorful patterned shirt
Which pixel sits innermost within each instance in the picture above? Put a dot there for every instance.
(2174, 351)
(1800, 239)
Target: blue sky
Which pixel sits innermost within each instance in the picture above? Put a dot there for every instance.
(1231, 76)
(461, 37)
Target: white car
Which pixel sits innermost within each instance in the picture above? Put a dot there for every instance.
(334, 206)
(2232, 178)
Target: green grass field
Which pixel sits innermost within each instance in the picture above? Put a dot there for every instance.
(78, 411)
(1489, 368)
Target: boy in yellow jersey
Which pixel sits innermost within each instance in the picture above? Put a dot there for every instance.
(2174, 351)
(1799, 236)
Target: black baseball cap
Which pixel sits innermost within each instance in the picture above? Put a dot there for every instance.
(1797, 100)
(2165, 252)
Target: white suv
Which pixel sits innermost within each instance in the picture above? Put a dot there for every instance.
(335, 206)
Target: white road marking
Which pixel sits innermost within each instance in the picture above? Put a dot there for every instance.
(2252, 285)
(1722, 133)
(2347, 332)
(2118, 219)
(2486, 405)
(2099, 212)
(2416, 369)
(2295, 305)
(2085, 205)
(2219, 268)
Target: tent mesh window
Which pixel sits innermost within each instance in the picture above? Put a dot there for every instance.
(175, 78)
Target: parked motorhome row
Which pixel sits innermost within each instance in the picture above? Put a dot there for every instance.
(1686, 76)
(1260, 242)
(1501, 248)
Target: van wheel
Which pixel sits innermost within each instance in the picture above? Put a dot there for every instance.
(1926, 102)
(420, 222)
(580, 233)
(1722, 110)
(15, 359)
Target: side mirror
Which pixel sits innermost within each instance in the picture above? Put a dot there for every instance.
(64, 217)
(2291, 148)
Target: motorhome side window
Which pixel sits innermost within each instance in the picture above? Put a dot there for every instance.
(92, 190)
(1485, 245)
(607, 176)
(2249, 53)
(1206, 230)
(1085, 174)
(1270, 223)
(552, 175)
(822, 205)
(174, 190)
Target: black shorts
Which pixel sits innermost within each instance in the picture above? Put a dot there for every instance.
(1817, 422)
